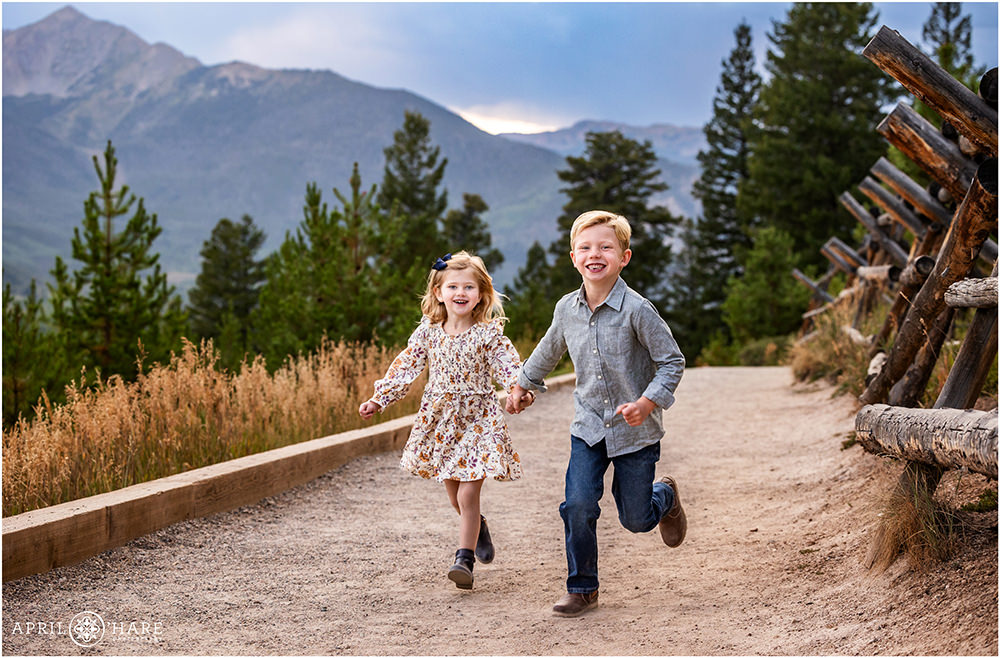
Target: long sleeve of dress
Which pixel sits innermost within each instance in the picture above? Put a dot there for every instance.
(505, 362)
(405, 368)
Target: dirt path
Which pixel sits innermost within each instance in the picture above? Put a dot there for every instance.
(354, 562)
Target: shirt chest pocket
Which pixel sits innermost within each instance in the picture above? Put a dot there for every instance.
(616, 339)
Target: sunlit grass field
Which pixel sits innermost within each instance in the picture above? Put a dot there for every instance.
(186, 414)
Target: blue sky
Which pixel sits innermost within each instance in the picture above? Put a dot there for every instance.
(505, 66)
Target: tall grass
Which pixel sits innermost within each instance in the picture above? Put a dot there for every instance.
(831, 355)
(185, 414)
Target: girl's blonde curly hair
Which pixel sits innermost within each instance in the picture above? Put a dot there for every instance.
(489, 306)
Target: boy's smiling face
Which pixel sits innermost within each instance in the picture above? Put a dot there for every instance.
(597, 255)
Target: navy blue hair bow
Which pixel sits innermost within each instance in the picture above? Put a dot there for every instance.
(440, 263)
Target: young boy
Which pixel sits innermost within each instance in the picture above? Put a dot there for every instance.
(627, 368)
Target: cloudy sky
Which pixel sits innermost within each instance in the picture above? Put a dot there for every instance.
(520, 67)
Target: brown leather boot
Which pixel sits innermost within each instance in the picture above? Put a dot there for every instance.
(574, 605)
(673, 525)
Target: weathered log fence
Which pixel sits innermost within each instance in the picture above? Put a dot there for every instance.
(932, 277)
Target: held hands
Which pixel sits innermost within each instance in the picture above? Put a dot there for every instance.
(368, 409)
(519, 399)
(636, 412)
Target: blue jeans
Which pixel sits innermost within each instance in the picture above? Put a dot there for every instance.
(641, 503)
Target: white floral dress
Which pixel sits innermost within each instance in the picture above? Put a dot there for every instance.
(460, 432)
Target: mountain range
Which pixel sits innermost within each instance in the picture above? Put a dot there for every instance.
(199, 143)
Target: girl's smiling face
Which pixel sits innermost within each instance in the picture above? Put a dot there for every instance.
(597, 254)
(459, 293)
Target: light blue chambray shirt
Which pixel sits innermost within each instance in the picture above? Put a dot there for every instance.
(621, 351)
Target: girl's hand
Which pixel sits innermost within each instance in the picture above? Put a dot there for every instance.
(368, 409)
(517, 400)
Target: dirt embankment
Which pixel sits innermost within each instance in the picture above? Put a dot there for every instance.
(354, 562)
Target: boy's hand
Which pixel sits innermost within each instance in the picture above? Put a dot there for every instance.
(636, 412)
(368, 409)
(518, 400)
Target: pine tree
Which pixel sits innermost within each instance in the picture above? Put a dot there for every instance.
(949, 35)
(108, 310)
(695, 311)
(32, 356)
(333, 277)
(816, 117)
(617, 174)
(228, 286)
(530, 301)
(413, 172)
(723, 229)
(466, 229)
(766, 301)
(714, 245)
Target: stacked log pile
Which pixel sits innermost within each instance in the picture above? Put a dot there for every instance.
(936, 257)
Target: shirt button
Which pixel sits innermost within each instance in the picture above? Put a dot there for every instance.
(592, 324)
(607, 424)
(599, 377)
(606, 401)
(595, 351)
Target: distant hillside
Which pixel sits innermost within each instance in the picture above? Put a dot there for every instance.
(200, 143)
(676, 146)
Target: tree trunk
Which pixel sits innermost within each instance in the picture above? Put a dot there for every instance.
(975, 219)
(972, 293)
(968, 113)
(917, 138)
(949, 438)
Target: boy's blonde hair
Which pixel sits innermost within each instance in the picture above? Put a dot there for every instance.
(489, 306)
(623, 230)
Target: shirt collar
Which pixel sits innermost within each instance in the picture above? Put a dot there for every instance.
(615, 298)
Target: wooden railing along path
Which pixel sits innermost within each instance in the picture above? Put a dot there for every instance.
(932, 276)
(60, 535)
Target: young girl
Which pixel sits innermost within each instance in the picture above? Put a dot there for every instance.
(459, 436)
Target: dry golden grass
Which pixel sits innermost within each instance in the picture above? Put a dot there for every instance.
(186, 414)
(830, 353)
(912, 524)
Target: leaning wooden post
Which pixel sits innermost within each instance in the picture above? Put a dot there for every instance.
(809, 283)
(979, 347)
(907, 391)
(955, 102)
(974, 221)
(910, 280)
(890, 246)
(927, 205)
(838, 260)
(855, 259)
(921, 142)
(892, 205)
(907, 188)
